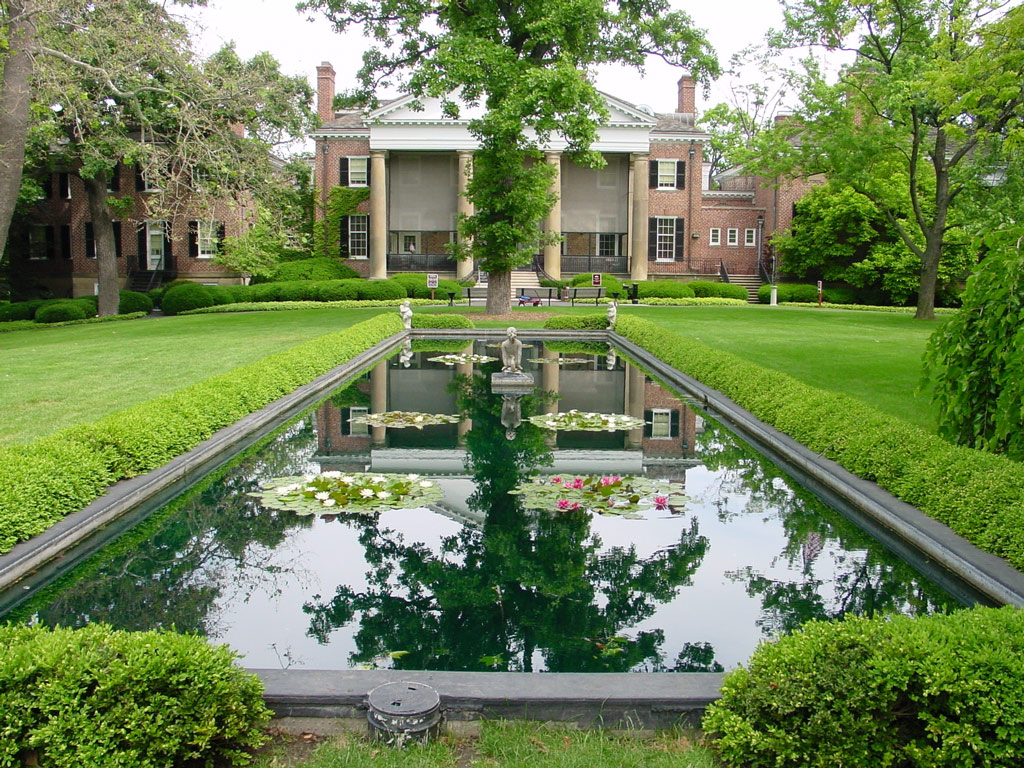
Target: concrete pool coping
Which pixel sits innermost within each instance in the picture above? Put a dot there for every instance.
(619, 700)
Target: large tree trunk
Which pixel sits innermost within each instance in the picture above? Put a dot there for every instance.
(14, 101)
(106, 253)
(929, 278)
(499, 292)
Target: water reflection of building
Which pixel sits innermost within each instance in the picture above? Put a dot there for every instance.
(664, 446)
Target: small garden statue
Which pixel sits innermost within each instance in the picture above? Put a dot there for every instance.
(406, 313)
(512, 353)
(611, 358)
(511, 415)
(613, 311)
(405, 356)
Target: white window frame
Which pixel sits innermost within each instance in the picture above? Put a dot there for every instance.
(359, 237)
(715, 236)
(661, 421)
(662, 173)
(155, 227)
(206, 238)
(356, 177)
(749, 238)
(614, 242)
(666, 240)
(358, 429)
(37, 242)
(733, 236)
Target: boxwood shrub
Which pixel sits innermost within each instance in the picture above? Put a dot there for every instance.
(183, 297)
(416, 286)
(610, 283)
(932, 692)
(805, 294)
(61, 311)
(377, 290)
(131, 301)
(319, 268)
(430, 320)
(978, 495)
(96, 696)
(577, 322)
(664, 289)
(337, 290)
(19, 310)
(43, 481)
(709, 289)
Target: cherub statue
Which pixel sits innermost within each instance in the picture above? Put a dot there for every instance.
(406, 313)
(613, 311)
(512, 353)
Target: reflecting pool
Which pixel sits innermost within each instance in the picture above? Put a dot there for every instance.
(490, 577)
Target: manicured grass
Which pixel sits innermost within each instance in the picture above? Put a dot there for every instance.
(509, 745)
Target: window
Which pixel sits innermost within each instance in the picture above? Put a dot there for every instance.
(207, 239)
(666, 174)
(749, 237)
(607, 244)
(40, 242)
(64, 185)
(358, 175)
(715, 237)
(666, 239)
(358, 235)
(358, 428)
(661, 423)
(155, 232)
(734, 236)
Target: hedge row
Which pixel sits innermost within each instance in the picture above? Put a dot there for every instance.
(804, 294)
(96, 696)
(577, 322)
(979, 495)
(704, 301)
(24, 325)
(931, 692)
(279, 306)
(43, 481)
(872, 308)
(66, 310)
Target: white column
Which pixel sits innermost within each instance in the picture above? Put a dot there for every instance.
(638, 235)
(553, 222)
(464, 269)
(378, 216)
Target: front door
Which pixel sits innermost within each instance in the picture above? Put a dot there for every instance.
(155, 244)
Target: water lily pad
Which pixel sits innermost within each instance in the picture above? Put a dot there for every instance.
(401, 419)
(562, 360)
(601, 494)
(332, 493)
(462, 359)
(587, 422)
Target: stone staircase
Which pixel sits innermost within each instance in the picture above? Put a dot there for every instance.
(521, 279)
(750, 282)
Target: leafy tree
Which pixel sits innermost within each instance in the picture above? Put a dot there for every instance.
(529, 65)
(839, 235)
(932, 82)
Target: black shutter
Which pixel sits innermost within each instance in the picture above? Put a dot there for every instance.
(167, 244)
(343, 172)
(114, 182)
(48, 186)
(674, 431)
(140, 180)
(680, 240)
(343, 236)
(117, 239)
(652, 238)
(90, 241)
(143, 250)
(346, 427)
(221, 234)
(680, 174)
(64, 186)
(653, 181)
(648, 423)
(65, 240)
(369, 165)
(193, 239)
(51, 244)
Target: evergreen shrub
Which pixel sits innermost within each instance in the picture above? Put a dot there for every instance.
(709, 289)
(426, 320)
(131, 301)
(61, 311)
(416, 286)
(577, 322)
(19, 310)
(319, 268)
(664, 289)
(221, 294)
(377, 290)
(184, 297)
(337, 290)
(610, 283)
(96, 696)
(930, 692)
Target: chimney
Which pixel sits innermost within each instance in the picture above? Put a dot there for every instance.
(325, 91)
(687, 96)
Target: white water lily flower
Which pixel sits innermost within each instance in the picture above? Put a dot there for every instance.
(310, 489)
(329, 502)
(426, 484)
(308, 476)
(383, 494)
(418, 418)
(366, 493)
(332, 475)
(413, 477)
(348, 479)
(323, 495)
(378, 479)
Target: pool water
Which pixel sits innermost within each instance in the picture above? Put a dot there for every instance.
(481, 580)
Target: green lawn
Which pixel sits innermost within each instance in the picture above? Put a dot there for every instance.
(57, 377)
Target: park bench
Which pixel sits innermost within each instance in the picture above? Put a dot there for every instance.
(474, 292)
(574, 292)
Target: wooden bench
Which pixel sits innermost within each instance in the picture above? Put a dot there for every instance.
(584, 292)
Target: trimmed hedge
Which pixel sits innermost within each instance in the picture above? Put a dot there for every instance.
(19, 310)
(61, 312)
(578, 323)
(182, 298)
(977, 494)
(319, 268)
(416, 286)
(43, 481)
(425, 320)
(25, 325)
(704, 289)
(707, 301)
(805, 294)
(97, 696)
(610, 283)
(132, 301)
(664, 289)
(931, 692)
(282, 306)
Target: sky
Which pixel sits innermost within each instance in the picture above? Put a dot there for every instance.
(300, 45)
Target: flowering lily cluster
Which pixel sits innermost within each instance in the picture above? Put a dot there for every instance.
(330, 493)
(602, 494)
(562, 360)
(587, 422)
(462, 359)
(401, 419)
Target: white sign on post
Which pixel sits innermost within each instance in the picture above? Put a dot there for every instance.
(595, 279)
(432, 280)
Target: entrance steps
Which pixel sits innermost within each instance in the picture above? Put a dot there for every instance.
(523, 280)
(750, 282)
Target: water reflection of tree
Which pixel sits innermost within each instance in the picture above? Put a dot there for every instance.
(169, 571)
(525, 586)
(863, 579)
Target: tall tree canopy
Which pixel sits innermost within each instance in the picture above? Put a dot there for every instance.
(531, 65)
(933, 82)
